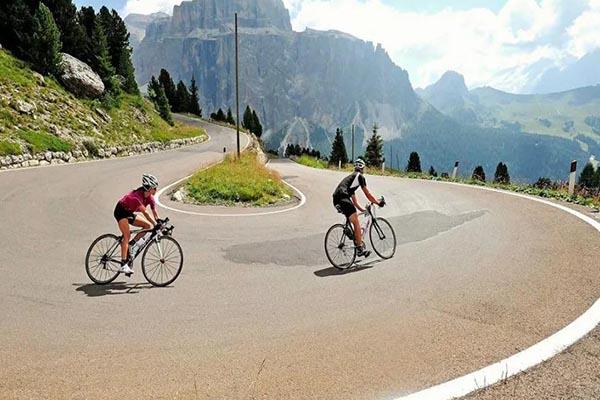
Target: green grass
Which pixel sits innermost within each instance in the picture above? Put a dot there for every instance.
(9, 148)
(39, 141)
(235, 181)
(311, 161)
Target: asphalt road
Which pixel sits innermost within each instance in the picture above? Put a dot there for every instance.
(257, 311)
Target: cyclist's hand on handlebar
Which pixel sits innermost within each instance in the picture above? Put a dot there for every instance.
(381, 202)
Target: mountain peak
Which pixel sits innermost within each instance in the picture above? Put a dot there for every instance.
(450, 82)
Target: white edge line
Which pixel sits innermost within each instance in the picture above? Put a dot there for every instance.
(527, 358)
(160, 193)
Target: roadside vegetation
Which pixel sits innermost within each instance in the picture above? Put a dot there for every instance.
(238, 182)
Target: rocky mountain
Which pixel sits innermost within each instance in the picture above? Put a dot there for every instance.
(137, 24)
(582, 72)
(569, 114)
(304, 85)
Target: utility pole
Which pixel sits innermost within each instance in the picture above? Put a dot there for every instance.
(237, 87)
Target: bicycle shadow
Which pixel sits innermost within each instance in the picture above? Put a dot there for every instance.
(93, 290)
(357, 267)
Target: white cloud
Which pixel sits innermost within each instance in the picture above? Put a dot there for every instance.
(498, 49)
(488, 48)
(149, 6)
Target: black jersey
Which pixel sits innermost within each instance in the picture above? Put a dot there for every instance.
(349, 184)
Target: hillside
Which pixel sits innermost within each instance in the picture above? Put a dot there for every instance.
(37, 114)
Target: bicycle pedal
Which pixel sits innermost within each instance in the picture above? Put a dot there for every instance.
(129, 275)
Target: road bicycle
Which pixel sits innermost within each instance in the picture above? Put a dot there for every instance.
(339, 240)
(162, 257)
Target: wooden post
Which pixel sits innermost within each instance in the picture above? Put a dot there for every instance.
(237, 86)
(455, 170)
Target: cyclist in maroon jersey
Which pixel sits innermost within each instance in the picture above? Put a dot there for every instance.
(136, 201)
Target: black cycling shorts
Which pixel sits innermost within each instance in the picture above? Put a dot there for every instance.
(121, 212)
(344, 205)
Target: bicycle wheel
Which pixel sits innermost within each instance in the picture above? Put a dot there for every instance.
(103, 259)
(162, 261)
(383, 238)
(340, 250)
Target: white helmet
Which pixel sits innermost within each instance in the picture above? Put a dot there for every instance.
(149, 181)
(359, 164)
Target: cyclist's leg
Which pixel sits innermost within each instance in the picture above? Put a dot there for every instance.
(358, 241)
(141, 222)
(124, 228)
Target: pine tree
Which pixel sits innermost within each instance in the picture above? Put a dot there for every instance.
(501, 175)
(374, 154)
(587, 176)
(230, 119)
(247, 120)
(478, 174)
(221, 116)
(183, 98)
(102, 64)
(120, 52)
(45, 45)
(72, 33)
(16, 24)
(596, 179)
(256, 124)
(194, 99)
(432, 171)
(168, 85)
(153, 90)
(338, 149)
(162, 105)
(414, 163)
(87, 19)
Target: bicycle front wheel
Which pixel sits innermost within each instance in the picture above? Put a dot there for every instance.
(340, 250)
(162, 261)
(383, 238)
(103, 259)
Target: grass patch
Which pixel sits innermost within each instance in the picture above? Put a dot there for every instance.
(235, 181)
(39, 141)
(179, 131)
(309, 161)
(9, 148)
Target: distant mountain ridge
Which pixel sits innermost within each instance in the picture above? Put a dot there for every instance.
(304, 85)
(137, 24)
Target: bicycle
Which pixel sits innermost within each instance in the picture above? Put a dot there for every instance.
(162, 258)
(339, 239)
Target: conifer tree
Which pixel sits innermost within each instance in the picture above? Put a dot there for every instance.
(87, 19)
(102, 64)
(338, 149)
(247, 120)
(194, 99)
(72, 34)
(153, 90)
(16, 23)
(414, 163)
(478, 174)
(163, 105)
(587, 176)
(118, 44)
(256, 125)
(221, 116)
(183, 98)
(45, 42)
(168, 85)
(374, 153)
(230, 119)
(432, 171)
(501, 175)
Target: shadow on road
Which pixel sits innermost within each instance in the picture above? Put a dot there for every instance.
(93, 290)
(332, 271)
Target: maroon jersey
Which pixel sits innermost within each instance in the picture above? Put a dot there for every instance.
(133, 200)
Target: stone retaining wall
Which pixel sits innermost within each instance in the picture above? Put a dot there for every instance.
(51, 158)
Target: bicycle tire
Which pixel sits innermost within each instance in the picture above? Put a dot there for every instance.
(337, 236)
(386, 229)
(155, 268)
(101, 260)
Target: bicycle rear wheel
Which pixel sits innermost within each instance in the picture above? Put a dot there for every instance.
(103, 260)
(162, 261)
(383, 238)
(340, 250)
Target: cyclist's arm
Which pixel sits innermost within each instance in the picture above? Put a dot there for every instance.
(370, 197)
(356, 204)
(144, 211)
(156, 217)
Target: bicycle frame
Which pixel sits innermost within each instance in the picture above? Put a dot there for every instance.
(370, 218)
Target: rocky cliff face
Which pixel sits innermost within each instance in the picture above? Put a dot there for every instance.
(137, 24)
(303, 84)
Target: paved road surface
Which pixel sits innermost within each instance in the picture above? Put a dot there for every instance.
(257, 311)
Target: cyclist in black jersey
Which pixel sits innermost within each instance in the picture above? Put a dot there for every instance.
(344, 200)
